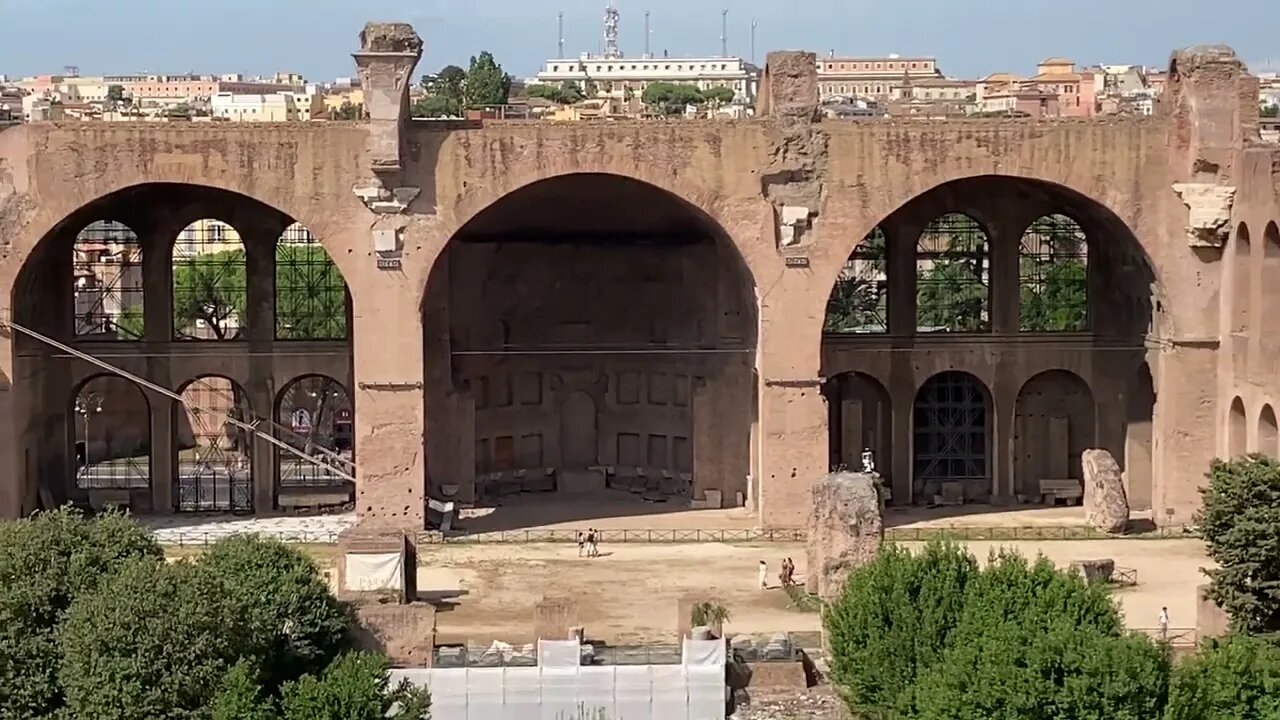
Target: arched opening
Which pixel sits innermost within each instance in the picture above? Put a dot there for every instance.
(109, 429)
(1138, 441)
(1237, 442)
(953, 272)
(1053, 425)
(210, 288)
(859, 420)
(1012, 276)
(1053, 281)
(315, 415)
(859, 303)
(214, 468)
(169, 263)
(951, 429)
(107, 282)
(312, 300)
(1268, 435)
(1241, 281)
(1270, 316)
(600, 339)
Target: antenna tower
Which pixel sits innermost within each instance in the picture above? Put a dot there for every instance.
(724, 33)
(753, 41)
(647, 34)
(560, 33)
(611, 31)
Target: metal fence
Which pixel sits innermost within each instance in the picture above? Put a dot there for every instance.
(202, 538)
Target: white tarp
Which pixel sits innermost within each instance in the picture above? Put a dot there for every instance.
(559, 693)
(485, 693)
(670, 694)
(559, 654)
(523, 693)
(703, 653)
(374, 572)
(449, 694)
(633, 693)
(596, 689)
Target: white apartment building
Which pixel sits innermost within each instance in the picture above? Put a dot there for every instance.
(274, 107)
(619, 77)
(872, 77)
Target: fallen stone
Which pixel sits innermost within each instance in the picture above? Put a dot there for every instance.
(845, 530)
(1095, 571)
(1106, 508)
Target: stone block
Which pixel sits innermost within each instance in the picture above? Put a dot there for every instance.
(1105, 506)
(406, 634)
(555, 618)
(789, 87)
(715, 499)
(1209, 212)
(845, 529)
(377, 566)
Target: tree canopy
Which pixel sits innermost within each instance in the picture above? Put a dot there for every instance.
(486, 82)
(210, 290)
(564, 94)
(671, 98)
(96, 625)
(1240, 523)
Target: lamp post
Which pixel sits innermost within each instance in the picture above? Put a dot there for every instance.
(88, 405)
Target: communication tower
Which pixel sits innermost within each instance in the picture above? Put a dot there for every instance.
(611, 31)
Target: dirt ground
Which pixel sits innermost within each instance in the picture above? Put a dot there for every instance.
(630, 593)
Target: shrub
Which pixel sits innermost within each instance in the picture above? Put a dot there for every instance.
(240, 697)
(1237, 678)
(354, 687)
(893, 621)
(292, 624)
(152, 644)
(45, 562)
(1240, 523)
(708, 613)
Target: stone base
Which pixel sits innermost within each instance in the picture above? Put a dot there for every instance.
(555, 618)
(406, 634)
(358, 549)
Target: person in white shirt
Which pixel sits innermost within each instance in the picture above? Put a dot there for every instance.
(1164, 623)
(764, 575)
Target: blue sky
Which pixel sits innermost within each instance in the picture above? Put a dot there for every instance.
(970, 37)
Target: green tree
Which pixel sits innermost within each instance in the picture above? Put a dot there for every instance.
(1271, 111)
(129, 324)
(240, 697)
(293, 624)
(671, 98)
(311, 296)
(566, 94)
(45, 563)
(153, 643)
(719, 95)
(1053, 280)
(115, 95)
(355, 687)
(1240, 523)
(209, 288)
(892, 623)
(1235, 678)
(951, 292)
(486, 82)
(858, 303)
(347, 111)
(435, 106)
(448, 84)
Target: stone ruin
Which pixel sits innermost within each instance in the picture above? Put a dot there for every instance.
(1106, 508)
(845, 529)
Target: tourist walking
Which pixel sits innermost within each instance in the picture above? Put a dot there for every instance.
(582, 543)
(593, 549)
(764, 575)
(1164, 623)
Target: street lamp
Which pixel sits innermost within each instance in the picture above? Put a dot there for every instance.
(86, 406)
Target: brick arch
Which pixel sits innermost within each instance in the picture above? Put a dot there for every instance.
(1089, 204)
(738, 222)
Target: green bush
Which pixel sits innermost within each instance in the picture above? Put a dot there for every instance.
(1240, 524)
(893, 621)
(1237, 678)
(153, 643)
(354, 687)
(240, 697)
(45, 562)
(292, 625)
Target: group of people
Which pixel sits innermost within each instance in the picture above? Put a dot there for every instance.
(589, 544)
(787, 576)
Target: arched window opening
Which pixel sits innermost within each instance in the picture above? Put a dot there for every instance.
(107, 282)
(1053, 425)
(859, 302)
(952, 436)
(1236, 432)
(311, 296)
(215, 456)
(209, 283)
(111, 433)
(315, 415)
(1268, 434)
(1270, 313)
(1053, 276)
(1241, 281)
(953, 268)
(860, 417)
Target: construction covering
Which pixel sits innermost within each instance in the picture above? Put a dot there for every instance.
(562, 688)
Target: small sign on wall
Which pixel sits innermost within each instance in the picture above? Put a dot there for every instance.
(797, 261)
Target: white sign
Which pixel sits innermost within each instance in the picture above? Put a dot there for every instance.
(302, 422)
